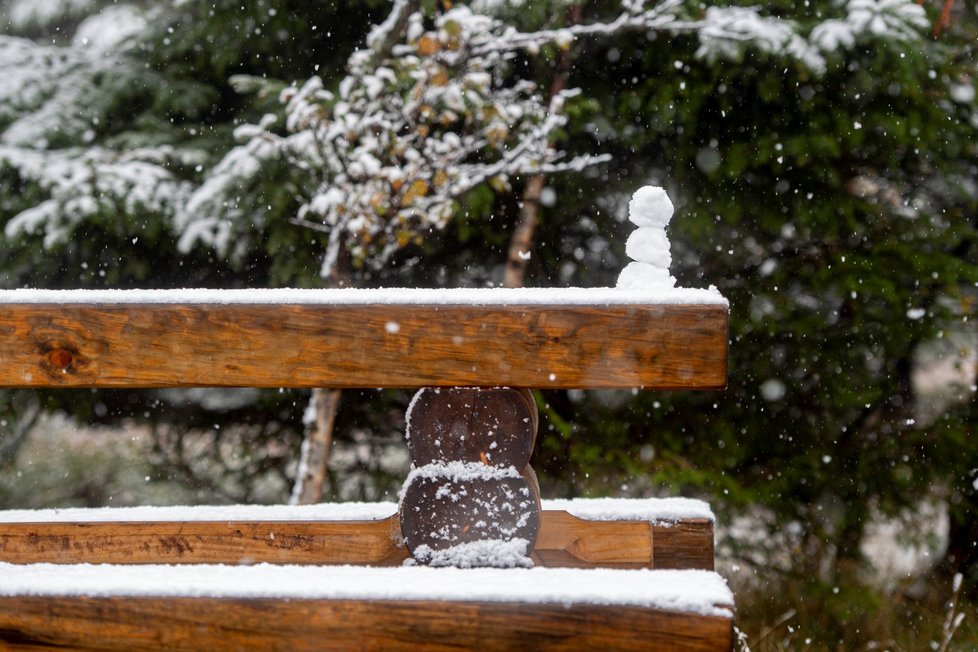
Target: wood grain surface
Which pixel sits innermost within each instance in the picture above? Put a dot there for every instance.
(491, 425)
(399, 345)
(233, 624)
(686, 543)
(564, 540)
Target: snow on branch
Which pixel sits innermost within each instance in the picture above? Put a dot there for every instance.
(723, 32)
(898, 20)
(429, 111)
(726, 31)
(53, 101)
(85, 182)
(210, 212)
(406, 135)
(35, 14)
(51, 94)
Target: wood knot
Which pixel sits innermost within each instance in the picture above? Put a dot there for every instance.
(60, 358)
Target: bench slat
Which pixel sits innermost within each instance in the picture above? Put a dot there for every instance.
(139, 623)
(564, 541)
(671, 346)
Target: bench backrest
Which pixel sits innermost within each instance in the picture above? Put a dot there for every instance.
(345, 340)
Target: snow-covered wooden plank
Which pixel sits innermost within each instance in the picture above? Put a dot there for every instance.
(624, 533)
(371, 296)
(134, 624)
(659, 511)
(563, 541)
(278, 607)
(600, 338)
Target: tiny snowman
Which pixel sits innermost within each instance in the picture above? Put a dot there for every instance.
(648, 245)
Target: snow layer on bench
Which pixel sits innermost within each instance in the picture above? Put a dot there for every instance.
(656, 510)
(688, 591)
(319, 512)
(384, 296)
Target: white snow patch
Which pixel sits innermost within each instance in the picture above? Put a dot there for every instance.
(687, 591)
(655, 510)
(898, 547)
(491, 553)
(198, 513)
(725, 32)
(27, 14)
(387, 296)
(110, 28)
(461, 472)
(962, 93)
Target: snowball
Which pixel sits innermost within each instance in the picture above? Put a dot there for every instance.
(650, 206)
(643, 276)
(649, 244)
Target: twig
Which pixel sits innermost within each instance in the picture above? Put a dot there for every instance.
(953, 619)
(785, 617)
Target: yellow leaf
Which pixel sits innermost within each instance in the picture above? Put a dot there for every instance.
(440, 78)
(427, 46)
(418, 189)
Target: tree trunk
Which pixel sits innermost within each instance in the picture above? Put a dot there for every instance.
(318, 438)
(311, 476)
(521, 242)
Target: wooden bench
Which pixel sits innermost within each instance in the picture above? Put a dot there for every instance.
(586, 339)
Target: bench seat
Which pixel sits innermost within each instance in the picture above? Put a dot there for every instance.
(659, 533)
(356, 607)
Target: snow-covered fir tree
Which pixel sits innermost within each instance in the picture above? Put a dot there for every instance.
(429, 110)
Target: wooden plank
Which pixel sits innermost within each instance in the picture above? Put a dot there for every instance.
(389, 345)
(217, 624)
(568, 541)
(202, 542)
(686, 543)
(563, 541)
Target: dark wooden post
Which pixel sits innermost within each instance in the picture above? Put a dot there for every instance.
(472, 498)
